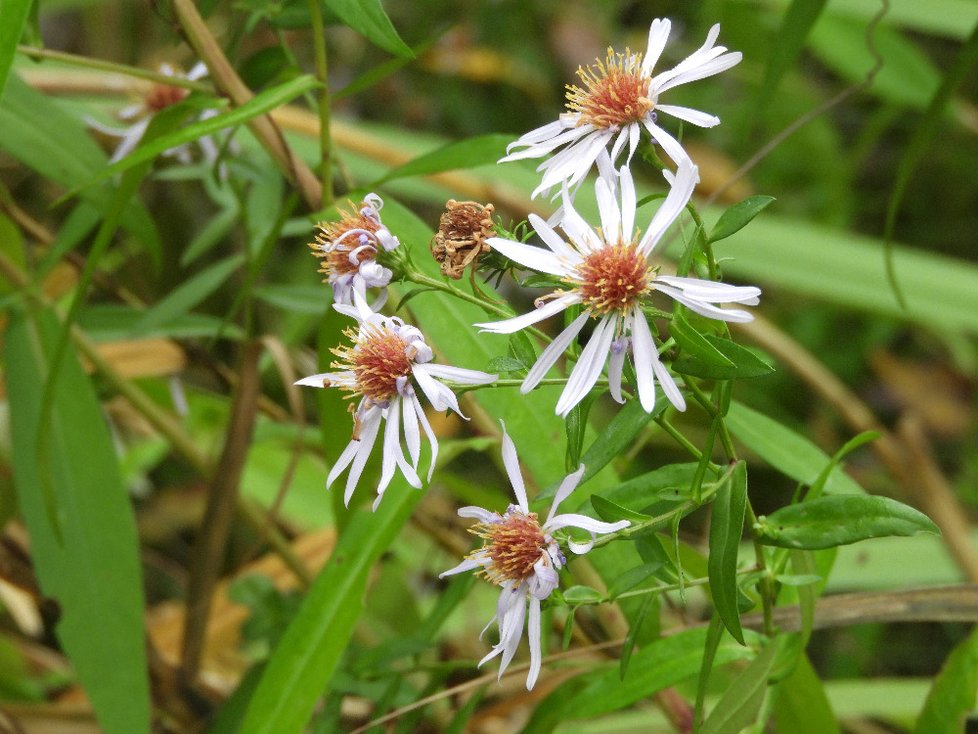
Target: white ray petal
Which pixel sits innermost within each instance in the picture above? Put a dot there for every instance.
(529, 256)
(628, 202)
(426, 427)
(533, 637)
(512, 463)
(508, 326)
(368, 434)
(669, 386)
(554, 241)
(440, 396)
(563, 492)
(687, 176)
(459, 374)
(552, 353)
(466, 565)
(574, 520)
(479, 513)
(412, 433)
(696, 117)
(608, 209)
(588, 368)
(658, 35)
(643, 356)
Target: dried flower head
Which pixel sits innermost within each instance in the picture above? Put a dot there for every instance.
(461, 236)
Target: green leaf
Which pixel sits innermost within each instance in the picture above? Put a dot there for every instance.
(634, 628)
(261, 103)
(618, 435)
(745, 362)
(612, 512)
(800, 703)
(785, 450)
(632, 578)
(309, 652)
(582, 595)
(740, 703)
(739, 215)
(522, 349)
(46, 138)
(851, 445)
(576, 426)
(695, 344)
(90, 563)
(184, 297)
(952, 697)
(368, 18)
(726, 528)
(787, 46)
(839, 520)
(924, 133)
(478, 151)
(14, 14)
(504, 364)
(659, 665)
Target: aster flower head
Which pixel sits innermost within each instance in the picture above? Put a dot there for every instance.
(522, 556)
(606, 271)
(387, 360)
(619, 98)
(157, 98)
(348, 250)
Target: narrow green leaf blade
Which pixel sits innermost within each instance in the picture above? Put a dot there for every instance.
(738, 216)
(740, 703)
(310, 650)
(90, 563)
(952, 697)
(785, 450)
(618, 435)
(368, 17)
(478, 151)
(743, 362)
(839, 520)
(801, 705)
(787, 46)
(659, 665)
(14, 14)
(184, 297)
(694, 343)
(726, 529)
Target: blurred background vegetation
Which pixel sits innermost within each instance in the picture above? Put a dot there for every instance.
(485, 69)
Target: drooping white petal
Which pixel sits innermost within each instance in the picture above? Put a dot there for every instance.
(616, 365)
(669, 144)
(534, 138)
(588, 368)
(580, 232)
(440, 396)
(512, 463)
(392, 445)
(342, 462)
(368, 434)
(644, 355)
(709, 65)
(426, 426)
(700, 119)
(563, 492)
(628, 202)
(412, 434)
(533, 636)
(535, 258)
(511, 630)
(704, 308)
(552, 353)
(669, 386)
(574, 520)
(508, 326)
(561, 136)
(687, 176)
(712, 291)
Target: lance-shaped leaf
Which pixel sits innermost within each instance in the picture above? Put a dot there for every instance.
(739, 216)
(726, 528)
(83, 534)
(839, 520)
(368, 17)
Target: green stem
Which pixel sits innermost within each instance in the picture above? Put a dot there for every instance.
(767, 582)
(322, 69)
(711, 261)
(110, 66)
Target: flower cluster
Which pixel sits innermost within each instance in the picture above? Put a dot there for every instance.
(604, 273)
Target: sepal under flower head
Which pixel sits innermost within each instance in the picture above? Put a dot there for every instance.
(522, 556)
(348, 250)
(384, 364)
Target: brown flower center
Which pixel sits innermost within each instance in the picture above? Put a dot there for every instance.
(336, 240)
(615, 92)
(613, 278)
(514, 545)
(377, 359)
(161, 96)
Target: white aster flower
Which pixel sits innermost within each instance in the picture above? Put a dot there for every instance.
(523, 557)
(349, 248)
(607, 272)
(157, 99)
(387, 359)
(620, 98)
